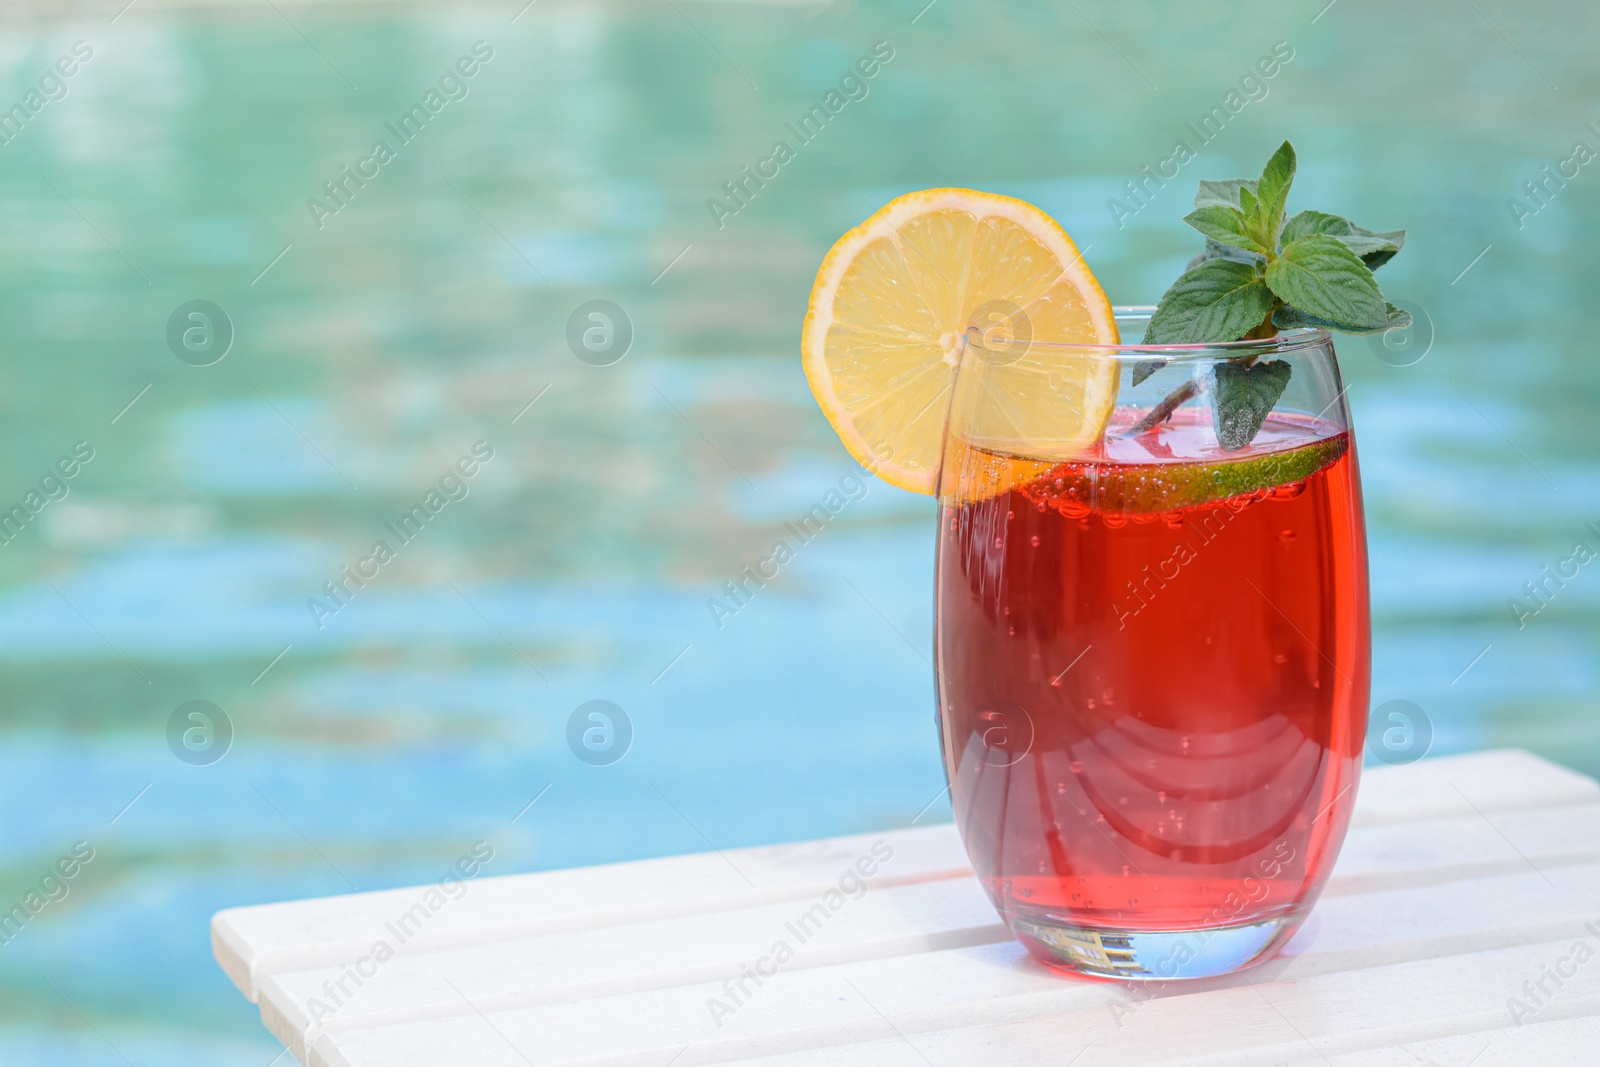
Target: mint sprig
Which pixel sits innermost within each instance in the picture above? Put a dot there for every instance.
(1262, 271)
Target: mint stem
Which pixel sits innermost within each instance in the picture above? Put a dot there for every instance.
(1163, 411)
(1191, 388)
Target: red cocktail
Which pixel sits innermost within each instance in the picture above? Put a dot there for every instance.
(1153, 677)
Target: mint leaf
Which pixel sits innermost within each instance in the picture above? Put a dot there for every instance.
(1307, 223)
(1319, 275)
(1224, 193)
(1376, 259)
(1146, 367)
(1242, 397)
(1364, 246)
(1273, 191)
(1225, 225)
(1218, 250)
(1290, 318)
(1399, 318)
(1220, 300)
(1374, 247)
(1248, 202)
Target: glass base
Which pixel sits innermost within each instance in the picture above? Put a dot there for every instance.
(1152, 955)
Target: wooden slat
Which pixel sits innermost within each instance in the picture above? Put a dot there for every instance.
(617, 964)
(1549, 1039)
(1243, 1025)
(639, 957)
(1496, 780)
(264, 939)
(974, 986)
(887, 921)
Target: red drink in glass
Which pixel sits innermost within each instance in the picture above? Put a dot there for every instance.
(1153, 674)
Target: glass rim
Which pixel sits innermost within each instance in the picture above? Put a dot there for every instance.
(1291, 340)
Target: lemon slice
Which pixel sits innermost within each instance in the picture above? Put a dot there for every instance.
(889, 320)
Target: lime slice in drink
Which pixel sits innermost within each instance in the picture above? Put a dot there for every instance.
(1153, 488)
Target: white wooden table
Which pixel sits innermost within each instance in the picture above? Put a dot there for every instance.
(1463, 879)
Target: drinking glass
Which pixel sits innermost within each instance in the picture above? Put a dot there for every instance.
(1152, 655)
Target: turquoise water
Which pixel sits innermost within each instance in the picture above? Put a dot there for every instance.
(374, 345)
